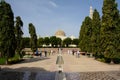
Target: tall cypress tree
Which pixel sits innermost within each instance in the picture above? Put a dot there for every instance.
(85, 35)
(33, 40)
(118, 38)
(108, 28)
(95, 38)
(7, 36)
(18, 34)
(82, 37)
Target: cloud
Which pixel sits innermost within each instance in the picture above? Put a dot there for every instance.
(53, 4)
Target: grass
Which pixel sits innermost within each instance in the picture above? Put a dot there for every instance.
(12, 60)
(2, 61)
(16, 57)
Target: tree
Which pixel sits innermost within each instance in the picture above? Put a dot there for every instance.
(82, 37)
(75, 41)
(40, 42)
(19, 34)
(53, 41)
(26, 42)
(109, 28)
(95, 37)
(46, 40)
(67, 41)
(7, 35)
(59, 42)
(33, 39)
(85, 35)
(118, 37)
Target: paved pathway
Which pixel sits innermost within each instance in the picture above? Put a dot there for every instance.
(34, 64)
(82, 68)
(85, 64)
(71, 64)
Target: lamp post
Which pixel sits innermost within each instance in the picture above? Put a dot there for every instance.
(60, 61)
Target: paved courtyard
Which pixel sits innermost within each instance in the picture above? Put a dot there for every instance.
(44, 68)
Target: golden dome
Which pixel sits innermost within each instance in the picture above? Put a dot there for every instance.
(60, 33)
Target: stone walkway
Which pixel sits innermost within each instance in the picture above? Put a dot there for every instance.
(85, 64)
(82, 68)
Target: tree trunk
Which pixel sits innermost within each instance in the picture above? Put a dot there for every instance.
(6, 61)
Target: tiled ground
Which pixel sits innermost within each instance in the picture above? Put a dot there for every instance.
(44, 68)
(42, 75)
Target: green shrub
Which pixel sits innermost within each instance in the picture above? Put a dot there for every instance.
(100, 56)
(101, 60)
(2, 61)
(107, 60)
(116, 60)
(14, 60)
(16, 57)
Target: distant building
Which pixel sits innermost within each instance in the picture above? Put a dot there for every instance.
(61, 34)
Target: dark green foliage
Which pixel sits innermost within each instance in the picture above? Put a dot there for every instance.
(103, 36)
(67, 41)
(7, 35)
(109, 28)
(82, 37)
(55, 42)
(85, 35)
(26, 42)
(33, 39)
(75, 42)
(95, 38)
(59, 42)
(47, 40)
(40, 42)
(2, 61)
(18, 34)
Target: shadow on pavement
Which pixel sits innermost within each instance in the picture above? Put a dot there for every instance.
(34, 59)
(23, 69)
(26, 73)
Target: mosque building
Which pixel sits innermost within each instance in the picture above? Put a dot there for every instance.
(61, 34)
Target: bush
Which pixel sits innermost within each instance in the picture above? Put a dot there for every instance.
(14, 60)
(116, 60)
(107, 60)
(2, 61)
(101, 60)
(100, 56)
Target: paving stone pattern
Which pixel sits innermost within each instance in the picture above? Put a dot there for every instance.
(96, 76)
(93, 76)
(10, 75)
(72, 76)
(45, 76)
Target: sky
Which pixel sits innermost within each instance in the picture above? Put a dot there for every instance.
(48, 16)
